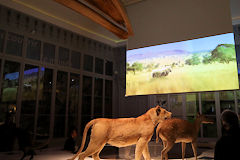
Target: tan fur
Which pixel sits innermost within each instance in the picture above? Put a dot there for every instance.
(178, 130)
(122, 132)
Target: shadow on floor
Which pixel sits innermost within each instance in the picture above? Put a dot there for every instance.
(110, 152)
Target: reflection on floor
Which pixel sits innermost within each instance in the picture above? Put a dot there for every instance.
(112, 153)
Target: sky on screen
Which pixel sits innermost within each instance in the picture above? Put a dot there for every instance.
(190, 46)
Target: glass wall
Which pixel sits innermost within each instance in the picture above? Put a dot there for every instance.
(29, 96)
(209, 110)
(227, 100)
(52, 76)
(2, 36)
(176, 105)
(88, 63)
(73, 106)
(98, 97)
(161, 98)
(63, 56)
(192, 106)
(75, 59)
(86, 100)
(14, 44)
(60, 104)
(108, 98)
(238, 101)
(33, 49)
(48, 53)
(109, 68)
(10, 86)
(99, 65)
(45, 96)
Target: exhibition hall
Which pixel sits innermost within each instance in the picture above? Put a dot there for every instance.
(119, 79)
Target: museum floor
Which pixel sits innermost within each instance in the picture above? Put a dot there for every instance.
(112, 153)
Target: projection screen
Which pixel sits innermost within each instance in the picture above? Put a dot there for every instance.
(180, 46)
(204, 64)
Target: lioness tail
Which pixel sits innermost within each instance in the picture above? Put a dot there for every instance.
(88, 125)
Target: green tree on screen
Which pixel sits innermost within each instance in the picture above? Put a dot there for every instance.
(223, 53)
(195, 60)
(137, 66)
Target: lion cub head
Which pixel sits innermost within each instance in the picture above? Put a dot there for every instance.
(159, 114)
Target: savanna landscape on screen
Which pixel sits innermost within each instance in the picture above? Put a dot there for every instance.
(204, 64)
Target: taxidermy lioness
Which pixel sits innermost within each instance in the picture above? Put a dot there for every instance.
(122, 132)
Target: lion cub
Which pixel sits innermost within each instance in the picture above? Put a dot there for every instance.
(122, 132)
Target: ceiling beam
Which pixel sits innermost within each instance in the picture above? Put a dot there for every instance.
(84, 10)
(123, 13)
(102, 14)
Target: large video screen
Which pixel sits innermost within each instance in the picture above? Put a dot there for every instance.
(204, 64)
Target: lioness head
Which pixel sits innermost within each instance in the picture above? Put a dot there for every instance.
(162, 113)
(159, 114)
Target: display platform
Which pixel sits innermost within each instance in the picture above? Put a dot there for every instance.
(112, 153)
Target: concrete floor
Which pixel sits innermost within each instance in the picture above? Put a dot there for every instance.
(113, 153)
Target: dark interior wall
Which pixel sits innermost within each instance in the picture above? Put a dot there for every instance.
(132, 105)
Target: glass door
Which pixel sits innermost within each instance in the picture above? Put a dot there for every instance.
(29, 96)
(209, 110)
(192, 106)
(227, 100)
(45, 96)
(60, 104)
(9, 90)
(86, 100)
(176, 105)
(73, 101)
(98, 97)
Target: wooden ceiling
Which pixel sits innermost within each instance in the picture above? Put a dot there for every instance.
(109, 13)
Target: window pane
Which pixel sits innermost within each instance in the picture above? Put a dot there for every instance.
(99, 65)
(75, 60)
(73, 100)
(48, 53)
(2, 36)
(98, 97)
(238, 101)
(161, 98)
(87, 94)
(29, 95)
(33, 49)
(60, 103)
(108, 98)
(14, 44)
(176, 105)
(63, 57)
(86, 100)
(9, 87)
(46, 78)
(210, 130)
(45, 96)
(109, 68)
(227, 100)
(88, 63)
(29, 89)
(208, 109)
(208, 103)
(192, 104)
